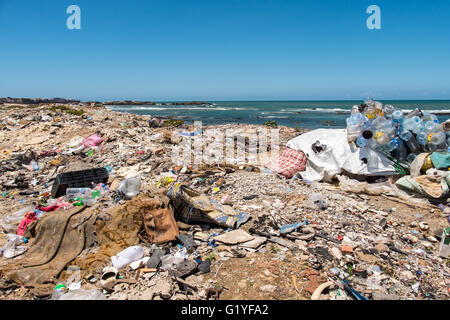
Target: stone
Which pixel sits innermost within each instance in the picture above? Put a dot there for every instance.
(336, 253)
(242, 284)
(268, 288)
(234, 237)
(381, 247)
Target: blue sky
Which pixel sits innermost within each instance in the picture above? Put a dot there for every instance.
(225, 50)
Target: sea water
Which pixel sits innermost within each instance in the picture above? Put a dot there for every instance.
(302, 114)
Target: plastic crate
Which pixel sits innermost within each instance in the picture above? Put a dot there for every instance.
(78, 179)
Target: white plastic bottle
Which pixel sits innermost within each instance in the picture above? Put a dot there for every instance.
(127, 256)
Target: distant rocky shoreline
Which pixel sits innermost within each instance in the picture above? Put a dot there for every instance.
(29, 101)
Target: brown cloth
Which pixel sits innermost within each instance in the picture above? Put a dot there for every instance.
(158, 218)
(62, 236)
(60, 239)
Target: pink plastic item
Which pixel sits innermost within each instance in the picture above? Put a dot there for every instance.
(92, 141)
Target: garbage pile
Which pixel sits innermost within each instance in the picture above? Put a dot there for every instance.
(390, 130)
(92, 207)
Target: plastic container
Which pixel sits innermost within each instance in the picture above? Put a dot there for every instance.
(405, 135)
(412, 145)
(422, 138)
(127, 256)
(78, 179)
(444, 248)
(361, 142)
(78, 192)
(58, 291)
(397, 116)
(410, 158)
(438, 142)
(413, 124)
(393, 144)
(11, 222)
(388, 110)
(129, 187)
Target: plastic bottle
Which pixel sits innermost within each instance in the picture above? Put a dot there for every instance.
(397, 117)
(429, 117)
(422, 138)
(413, 124)
(438, 142)
(430, 127)
(367, 130)
(415, 113)
(355, 109)
(380, 138)
(444, 247)
(401, 152)
(410, 158)
(127, 256)
(370, 112)
(388, 110)
(393, 144)
(361, 142)
(129, 187)
(78, 192)
(58, 291)
(405, 135)
(412, 145)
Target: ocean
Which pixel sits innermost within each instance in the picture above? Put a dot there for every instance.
(302, 114)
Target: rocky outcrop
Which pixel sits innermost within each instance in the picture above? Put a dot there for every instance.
(190, 103)
(37, 100)
(128, 103)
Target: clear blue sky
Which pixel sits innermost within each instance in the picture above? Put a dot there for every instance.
(225, 50)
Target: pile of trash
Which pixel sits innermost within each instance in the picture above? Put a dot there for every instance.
(392, 131)
(92, 207)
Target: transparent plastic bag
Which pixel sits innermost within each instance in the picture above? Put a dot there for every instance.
(82, 294)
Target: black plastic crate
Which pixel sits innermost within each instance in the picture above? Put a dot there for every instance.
(78, 179)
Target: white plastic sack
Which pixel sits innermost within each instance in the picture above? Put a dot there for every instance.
(338, 156)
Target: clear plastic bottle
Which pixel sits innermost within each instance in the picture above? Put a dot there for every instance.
(388, 110)
(410, 158)
(429, 117)
(361, 142)
(393, 144)
(413, 124)
(412, 145)
(367, 130)
(405, 135)
(401, 152)
(415, 113)
(78, 192)
(438, 142)
(130, 187)
(58, 291)
(422, 138)
(370, 112)
(397, 117)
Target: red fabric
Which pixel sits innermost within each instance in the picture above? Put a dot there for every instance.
(48, 209)
(29, 217)
(288, 163)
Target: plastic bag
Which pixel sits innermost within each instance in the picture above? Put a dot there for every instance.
(82, 294)
(11, 222)
(355, 186)
(92, 141)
